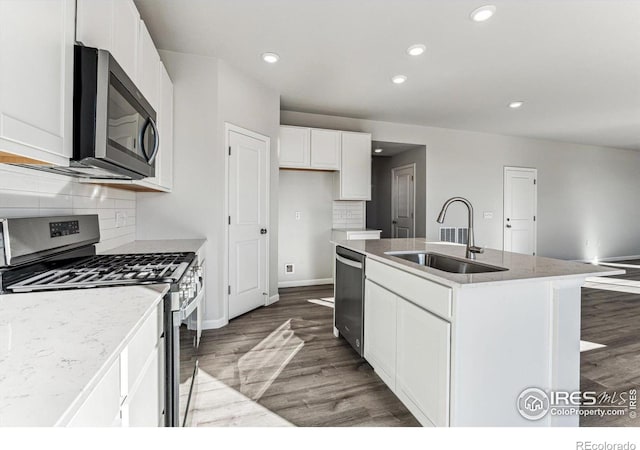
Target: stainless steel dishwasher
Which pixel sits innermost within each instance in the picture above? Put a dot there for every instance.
(349, 297)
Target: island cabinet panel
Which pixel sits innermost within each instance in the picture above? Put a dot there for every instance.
(424, 293)
(423, 361)
(380, 331)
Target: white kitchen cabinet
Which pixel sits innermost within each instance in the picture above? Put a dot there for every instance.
(380, 331)
(353, 181)
(112, 25)
(423, 360)
(295, 150)
(36, 80)
(325, 149)
(131, 393)
(148, 79)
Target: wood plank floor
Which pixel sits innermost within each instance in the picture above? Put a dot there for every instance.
(611, 318)
(281, 365)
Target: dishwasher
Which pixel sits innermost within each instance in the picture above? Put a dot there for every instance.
(349, 297)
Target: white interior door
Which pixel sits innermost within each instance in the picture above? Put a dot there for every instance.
(403, 201)
(248, 227)
(520, 209)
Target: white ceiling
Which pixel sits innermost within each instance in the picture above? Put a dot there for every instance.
(575, 63)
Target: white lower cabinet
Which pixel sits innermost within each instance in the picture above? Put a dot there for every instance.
(380, 331)
(408, 346)
(131, 393)
(422, 364)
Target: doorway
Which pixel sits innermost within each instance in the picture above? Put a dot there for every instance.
(403, 205)
(398, 190)
(248, 220)
(520, 210)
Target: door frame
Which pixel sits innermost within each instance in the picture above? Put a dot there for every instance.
(535, 206)
(393, 202)
(229, 127)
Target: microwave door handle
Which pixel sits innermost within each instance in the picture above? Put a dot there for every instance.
(156, 141)
(143, 131)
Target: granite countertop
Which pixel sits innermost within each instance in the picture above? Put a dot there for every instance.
(55, 347)
(158, 246)
(520, 267)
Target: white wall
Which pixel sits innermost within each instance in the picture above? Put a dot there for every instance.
(305, 242)
(207, 92)
(30, 193)
(585, 193)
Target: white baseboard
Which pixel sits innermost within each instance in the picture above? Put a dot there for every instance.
(271, 300)
(610, 259)
(288, 284)
(213, 324)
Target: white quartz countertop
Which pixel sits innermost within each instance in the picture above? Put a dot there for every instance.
(356, 229)
(55, 346)
(159, 246)
(520, 267)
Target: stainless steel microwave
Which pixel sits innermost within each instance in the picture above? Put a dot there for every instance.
(114, 127)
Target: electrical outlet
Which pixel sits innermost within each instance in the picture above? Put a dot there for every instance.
(298, 215)
(121, 219)
(488, 215)
(289, 269)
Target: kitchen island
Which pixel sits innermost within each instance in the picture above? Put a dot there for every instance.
(459, 349)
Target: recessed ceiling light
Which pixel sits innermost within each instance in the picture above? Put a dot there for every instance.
(483, 13)
(416, 50)
(399, 79)
(270, 58)
(516, 105)
(378, 150)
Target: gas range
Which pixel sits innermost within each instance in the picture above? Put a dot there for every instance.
(40, 254)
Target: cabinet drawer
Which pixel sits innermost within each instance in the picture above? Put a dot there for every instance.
(102, 407)
(142, 345)
(424, 293)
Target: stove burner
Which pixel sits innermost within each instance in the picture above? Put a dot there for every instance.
(109, 270)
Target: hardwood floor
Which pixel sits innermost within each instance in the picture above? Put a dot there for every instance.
(611, 318)
(281, 365)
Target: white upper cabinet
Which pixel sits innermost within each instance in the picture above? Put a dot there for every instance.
(112, 25)
(164, 160)
(309, 148)
(325, 149)
(353, 182)
(36, 80)
(148, 79)
(295, 150)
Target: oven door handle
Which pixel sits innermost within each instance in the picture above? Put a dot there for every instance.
(189, 308)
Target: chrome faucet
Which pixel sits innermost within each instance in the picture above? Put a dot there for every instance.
(471, 247)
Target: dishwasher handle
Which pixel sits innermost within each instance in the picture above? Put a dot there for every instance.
(349, 262)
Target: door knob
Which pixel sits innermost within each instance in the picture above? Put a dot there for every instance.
(394, 222)
(508, 225)
(263, 231)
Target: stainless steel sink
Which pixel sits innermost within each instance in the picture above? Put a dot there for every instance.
(446, 263)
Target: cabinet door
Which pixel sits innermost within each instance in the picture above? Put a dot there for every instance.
(111, 25)
(325, 149)
(144, 402)
(423, 358)
(355, 170)
(36, 79)
(380, 331)
(102, 407)
(148, 63)
(294, 147)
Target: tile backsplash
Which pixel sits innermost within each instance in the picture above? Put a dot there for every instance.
(29, 193)
(348, 214)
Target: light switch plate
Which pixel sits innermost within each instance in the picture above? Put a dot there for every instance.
(488, 215)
